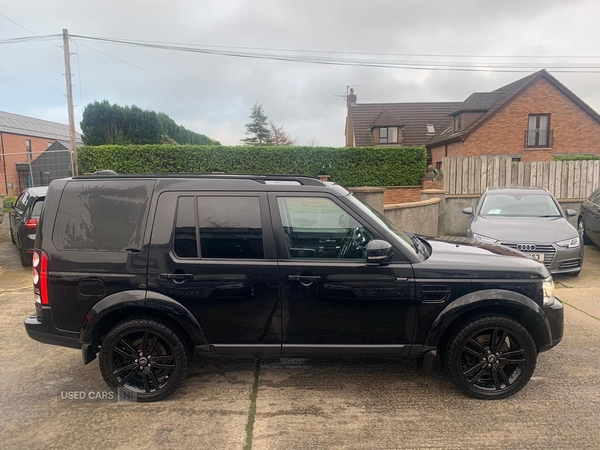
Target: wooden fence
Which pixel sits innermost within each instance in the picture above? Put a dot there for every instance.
(564, 179)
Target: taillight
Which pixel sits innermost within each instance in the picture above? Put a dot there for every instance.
(39, 271)
(31, 224)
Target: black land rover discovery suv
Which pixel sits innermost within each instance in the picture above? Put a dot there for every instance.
(144, 270)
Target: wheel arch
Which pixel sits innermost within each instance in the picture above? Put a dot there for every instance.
(506, 303)
(123, 305)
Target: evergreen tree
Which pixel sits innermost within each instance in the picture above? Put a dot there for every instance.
(257, 129)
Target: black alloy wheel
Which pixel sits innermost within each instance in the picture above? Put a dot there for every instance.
(491, 357)
(145, 357)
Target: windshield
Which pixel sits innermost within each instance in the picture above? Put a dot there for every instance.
(405, 238)
(525, 205)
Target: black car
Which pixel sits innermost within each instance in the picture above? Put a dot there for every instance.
(23, 220)
(588, 221)
(144, 270)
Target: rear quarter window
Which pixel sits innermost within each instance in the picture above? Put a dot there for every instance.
(102, 215)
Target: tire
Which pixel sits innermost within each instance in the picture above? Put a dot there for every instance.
(496, 377)
(128, 372)
(581, 228)
(26, 258)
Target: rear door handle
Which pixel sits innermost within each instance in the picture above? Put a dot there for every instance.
(177, 277)
(304, 277)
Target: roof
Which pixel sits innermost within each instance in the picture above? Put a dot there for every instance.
(29, 126)
(386, 119)
(414, 117)
(62, 145)
(516, 189)
(273, 179)
(491, 102)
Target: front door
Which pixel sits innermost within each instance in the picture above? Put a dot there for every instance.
(332, 301)
(214, 254)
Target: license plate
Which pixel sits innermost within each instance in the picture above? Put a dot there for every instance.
(537, 256)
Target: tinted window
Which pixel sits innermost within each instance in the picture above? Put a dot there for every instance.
(37, 208)
(595, 197)
(318, 228)
(230, 227)
(21, 200)
(102, 215)
(185, 243)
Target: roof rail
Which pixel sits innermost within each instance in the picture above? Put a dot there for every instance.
(301, 179)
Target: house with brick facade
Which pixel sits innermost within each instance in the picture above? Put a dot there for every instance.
(531, 119)
(23, 140)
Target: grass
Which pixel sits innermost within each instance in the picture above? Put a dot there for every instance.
(7, 200)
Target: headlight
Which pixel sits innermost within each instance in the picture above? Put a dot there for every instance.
(481, 238)
(569, 243)
(548, 288)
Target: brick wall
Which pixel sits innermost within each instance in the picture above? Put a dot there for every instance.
(15, 152)
(432, 184)
(402, 194)
(503, 134)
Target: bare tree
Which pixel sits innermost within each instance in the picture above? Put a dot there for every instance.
(279, 137)
(312, 142)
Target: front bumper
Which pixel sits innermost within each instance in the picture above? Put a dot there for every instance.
(566, 260)
(555, 323)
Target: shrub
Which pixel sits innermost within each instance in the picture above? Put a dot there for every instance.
(576, 158)
(360, 166)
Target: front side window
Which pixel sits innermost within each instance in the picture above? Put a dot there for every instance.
(388, 135)
(538, 130)
(316, 227)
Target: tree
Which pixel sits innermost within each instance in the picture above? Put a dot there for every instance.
(104, 123)
(312, 142)
(257, 129)
(279, 137)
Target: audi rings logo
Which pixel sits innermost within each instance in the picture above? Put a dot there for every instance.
(526, 247)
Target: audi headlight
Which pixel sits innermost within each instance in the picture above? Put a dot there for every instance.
(548, 288)
(569, 243)
(481, 238)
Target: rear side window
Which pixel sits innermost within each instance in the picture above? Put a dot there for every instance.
(230, 227)
(37, 208)
(185, 241)
(102, 215)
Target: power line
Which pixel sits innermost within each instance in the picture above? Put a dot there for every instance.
(203, 90)
(28, 30)
(29, 39)
(398, 64)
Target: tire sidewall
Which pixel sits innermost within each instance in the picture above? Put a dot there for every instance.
(165, 332)
(478, 324)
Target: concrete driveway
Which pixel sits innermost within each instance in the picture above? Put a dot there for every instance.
(297, 404)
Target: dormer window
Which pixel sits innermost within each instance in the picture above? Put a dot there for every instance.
(388, 135)
(430, 128)
(457, 123)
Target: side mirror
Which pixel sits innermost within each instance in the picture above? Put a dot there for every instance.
(571, 212)
(378, 251)
(468, 210)
(9, 205)
(344, 220)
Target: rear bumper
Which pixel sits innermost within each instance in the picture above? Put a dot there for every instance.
(41, 329)
(555, 323)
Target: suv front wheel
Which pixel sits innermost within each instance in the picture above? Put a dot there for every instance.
(145, 357)
(490, 357)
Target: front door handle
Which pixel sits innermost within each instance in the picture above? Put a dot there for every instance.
(177, 277)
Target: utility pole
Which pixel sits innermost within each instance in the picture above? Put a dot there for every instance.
(72, 134)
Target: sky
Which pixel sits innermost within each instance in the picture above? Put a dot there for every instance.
(302, 97)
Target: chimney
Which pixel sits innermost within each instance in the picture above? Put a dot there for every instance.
(351, 97)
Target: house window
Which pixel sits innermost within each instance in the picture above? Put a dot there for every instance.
(28, 148)
(538, 132)
(430, 128)
(438, 165)
(457, 123)
(515, 159)
(388, 135)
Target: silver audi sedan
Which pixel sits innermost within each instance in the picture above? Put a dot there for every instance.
(528, 219)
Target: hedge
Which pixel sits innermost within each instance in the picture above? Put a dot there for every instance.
(361, 166)
(576, 158)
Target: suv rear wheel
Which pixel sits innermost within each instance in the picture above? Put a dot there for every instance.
(144, 356)
(490, 357)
